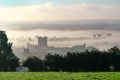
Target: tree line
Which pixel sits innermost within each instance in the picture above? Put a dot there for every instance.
(77, 61)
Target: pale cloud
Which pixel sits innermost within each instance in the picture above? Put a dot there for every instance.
(50, 11)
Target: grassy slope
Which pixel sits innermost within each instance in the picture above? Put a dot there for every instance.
(60, 76)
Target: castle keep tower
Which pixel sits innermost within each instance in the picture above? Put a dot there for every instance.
(42, 42)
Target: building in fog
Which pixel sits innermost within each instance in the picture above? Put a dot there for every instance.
(41, 48)
(42, 42)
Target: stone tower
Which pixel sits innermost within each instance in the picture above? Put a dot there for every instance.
(42, 42)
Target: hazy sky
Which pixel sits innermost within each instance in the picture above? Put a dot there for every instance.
(60, 2)
(34, 10)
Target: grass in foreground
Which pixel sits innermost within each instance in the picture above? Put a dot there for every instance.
(60, 76)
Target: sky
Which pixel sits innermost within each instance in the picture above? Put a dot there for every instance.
(61, 2)
(35, 10)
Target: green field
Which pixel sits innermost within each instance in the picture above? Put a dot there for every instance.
(60, 76)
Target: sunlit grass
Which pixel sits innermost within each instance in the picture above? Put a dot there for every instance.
(60, 76)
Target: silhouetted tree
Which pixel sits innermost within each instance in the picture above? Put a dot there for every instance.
(34, 64)
(114, 59)
(54, 62)
(8, 61)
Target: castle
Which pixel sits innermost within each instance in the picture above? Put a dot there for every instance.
(41, 43)
(42, 48)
